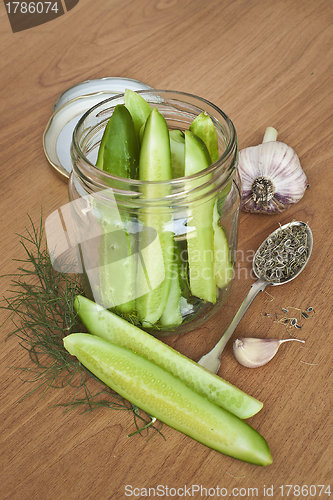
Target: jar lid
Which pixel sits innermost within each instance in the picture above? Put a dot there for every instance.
(69, 108)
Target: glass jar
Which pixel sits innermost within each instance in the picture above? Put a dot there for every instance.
(160, 254)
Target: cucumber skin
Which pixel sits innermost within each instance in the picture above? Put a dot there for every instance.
(177, 146)
(168, 399)
(111, 327)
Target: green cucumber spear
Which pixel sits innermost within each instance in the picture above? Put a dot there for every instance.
(155, 241)
(118, 155)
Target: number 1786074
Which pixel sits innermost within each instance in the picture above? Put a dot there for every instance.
(313, 490)
(32, 7)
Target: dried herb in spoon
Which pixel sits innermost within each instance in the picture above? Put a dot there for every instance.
(282, 255)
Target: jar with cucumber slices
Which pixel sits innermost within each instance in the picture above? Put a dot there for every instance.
(155, 201)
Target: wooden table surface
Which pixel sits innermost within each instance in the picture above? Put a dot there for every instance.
(264, 63)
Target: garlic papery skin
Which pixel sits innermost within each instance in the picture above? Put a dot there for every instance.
(271, 175)
(252, 352)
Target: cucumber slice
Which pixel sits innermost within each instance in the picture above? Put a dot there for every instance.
(168, 399)
(111, 327)
(119, 155)
(203, 127)
(138, 108)
(223, 267)
(177, 145)
(156, 241)
(200, 239)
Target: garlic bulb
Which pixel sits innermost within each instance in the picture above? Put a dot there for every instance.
(253, 353)
(272, 176)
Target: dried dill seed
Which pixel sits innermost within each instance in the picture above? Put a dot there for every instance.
(282, 255)
(288, 321)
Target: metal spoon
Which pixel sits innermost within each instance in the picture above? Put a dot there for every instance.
(212, 360)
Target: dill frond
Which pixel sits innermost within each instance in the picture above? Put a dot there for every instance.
(40, 303)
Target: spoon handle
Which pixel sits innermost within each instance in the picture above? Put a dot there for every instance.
(211, 361)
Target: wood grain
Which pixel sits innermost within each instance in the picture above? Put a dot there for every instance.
(264, 63)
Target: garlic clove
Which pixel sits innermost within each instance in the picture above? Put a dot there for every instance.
(272, 176)
(270, 134)
(253, 352)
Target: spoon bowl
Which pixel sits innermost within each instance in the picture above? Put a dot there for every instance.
(280, 252)
(279, 259)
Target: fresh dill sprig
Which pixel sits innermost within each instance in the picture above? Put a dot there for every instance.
(40, 303)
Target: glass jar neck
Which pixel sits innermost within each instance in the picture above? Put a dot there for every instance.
(179, 110)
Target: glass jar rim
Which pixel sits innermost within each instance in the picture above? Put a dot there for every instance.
(119, 99)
